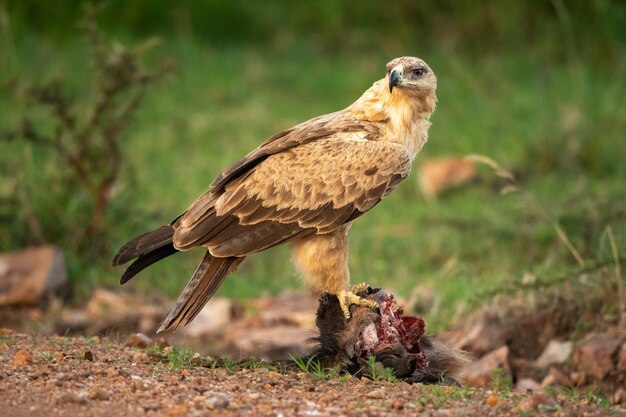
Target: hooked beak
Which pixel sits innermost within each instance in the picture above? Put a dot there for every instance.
(394, 79)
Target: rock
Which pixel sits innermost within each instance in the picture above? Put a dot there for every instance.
(98, 394)
(492, 401)
(594, 354)
(619, 396)
(440, 174)
(523, 368)
(81, 398)
(488, 333)
(555, 377)
(534, 401)
(215, 315)
(217, 401)
(105, 304)
(527, 384)
(481, 372)
(621, 362)
(577, 378)
(555, 352)
(26, 277)
(283, 325)
(269, 343)
(377, 394)
(22, 358)
(138, 340)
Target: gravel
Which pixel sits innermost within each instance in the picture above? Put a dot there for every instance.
(63, 376)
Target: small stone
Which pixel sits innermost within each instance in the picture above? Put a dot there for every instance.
(76, 398)
(138, 340)
(555, 377)
(377, 394)
(621, 363)
(21, 358)
(527, 384)
(184, 372)
(487, 335)
(492, 401)
(98, 394)
(534, 401)
(555, 352)
(273, 375)
(217, 401)
(141, 357)
(577, 378)
(397, 405)
(214, 316)
(481, 372)
(58, 356)
(619, 396)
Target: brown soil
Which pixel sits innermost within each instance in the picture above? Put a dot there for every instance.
(63, 376)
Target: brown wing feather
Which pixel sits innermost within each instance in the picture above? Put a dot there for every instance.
(306, 132)
(313, 188)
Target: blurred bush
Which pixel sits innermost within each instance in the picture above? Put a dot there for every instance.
(472, 26)
(78, 145)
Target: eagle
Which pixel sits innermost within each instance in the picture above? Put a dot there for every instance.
(303, 186)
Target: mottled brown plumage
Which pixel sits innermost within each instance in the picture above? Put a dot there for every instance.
(305, 186)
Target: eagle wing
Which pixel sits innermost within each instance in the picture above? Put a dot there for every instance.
(306, 132)
(310, 187)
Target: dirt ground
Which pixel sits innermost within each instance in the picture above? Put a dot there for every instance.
(64, 376)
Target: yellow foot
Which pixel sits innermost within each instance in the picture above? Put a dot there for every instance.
(348, 298)
(360, 287)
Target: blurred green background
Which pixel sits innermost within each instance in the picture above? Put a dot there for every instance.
(538, 86)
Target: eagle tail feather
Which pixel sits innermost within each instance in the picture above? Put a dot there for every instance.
(203, 284)
(146, 249)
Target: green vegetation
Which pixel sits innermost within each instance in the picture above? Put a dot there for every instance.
(313, 367)
(176, 357)
(501, 383)
(545, 98)
(380, 373)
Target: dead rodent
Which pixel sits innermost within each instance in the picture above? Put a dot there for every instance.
(395, 340)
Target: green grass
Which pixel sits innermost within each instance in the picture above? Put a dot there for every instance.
(378, 372)
(560, 126)
(314, 367)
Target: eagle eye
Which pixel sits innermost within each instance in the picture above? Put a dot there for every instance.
(418, 72)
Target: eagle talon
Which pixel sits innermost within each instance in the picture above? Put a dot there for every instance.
(348, 298)
(360, 288)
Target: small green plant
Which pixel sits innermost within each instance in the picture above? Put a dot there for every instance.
(155, 350)
(596, 398)
(313, 367)
(501, 383)
(47, 356)
(379, 372)
(256, 363)
(6, 340)
(229, 364)
(180, 358)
